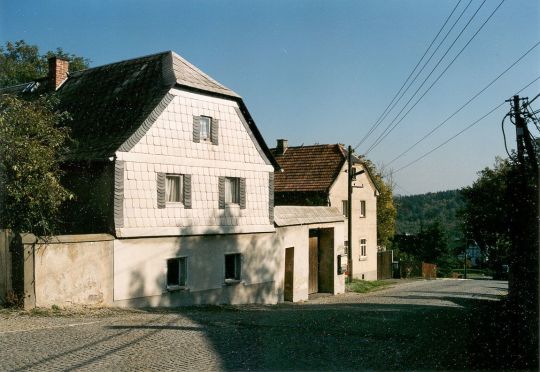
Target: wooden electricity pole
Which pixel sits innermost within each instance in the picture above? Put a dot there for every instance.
(351, 175)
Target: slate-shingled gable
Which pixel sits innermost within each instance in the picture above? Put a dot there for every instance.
(114, 105)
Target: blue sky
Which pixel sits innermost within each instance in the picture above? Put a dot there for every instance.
(322, 71)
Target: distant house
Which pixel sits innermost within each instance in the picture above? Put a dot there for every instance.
(316, 175)
(174, 203)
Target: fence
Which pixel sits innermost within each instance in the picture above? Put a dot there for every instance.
(384, 265)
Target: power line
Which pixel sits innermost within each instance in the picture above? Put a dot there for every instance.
(390, 128)
(423, 67)
(463, 130)
(464, 105)
(379, 120)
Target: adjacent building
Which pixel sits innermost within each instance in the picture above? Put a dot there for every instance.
(316, 175)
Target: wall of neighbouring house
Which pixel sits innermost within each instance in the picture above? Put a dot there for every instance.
(362, 227)
(140, 270)
(68, 269)
(297, 237)
(304, 198)
(168, 147)
(92, 184)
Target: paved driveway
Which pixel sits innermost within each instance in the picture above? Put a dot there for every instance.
(414, 325)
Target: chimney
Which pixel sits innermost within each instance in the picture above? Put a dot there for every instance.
(282, 145)
(58, 72)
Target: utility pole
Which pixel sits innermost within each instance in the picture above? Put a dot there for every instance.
(349, 213)
(520, 129)
(523, 213)
(351, 175)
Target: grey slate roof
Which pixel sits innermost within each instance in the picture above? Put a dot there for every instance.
(112, 106)
(110, 103)
(299, 215)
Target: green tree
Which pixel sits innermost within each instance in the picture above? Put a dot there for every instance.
(386, 211)
(32, 137)
(429, 245)
(21, 62)
(485, 213)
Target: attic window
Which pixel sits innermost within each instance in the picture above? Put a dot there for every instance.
(205, 129)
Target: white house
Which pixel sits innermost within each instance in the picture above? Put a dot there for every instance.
(174, 196)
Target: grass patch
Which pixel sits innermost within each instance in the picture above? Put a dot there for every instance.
(365, 286)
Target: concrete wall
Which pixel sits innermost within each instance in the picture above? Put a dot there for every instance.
(140, 270)
(5, 265)
(168, 147)
(68, 269)
(362, 227)
(298, 237)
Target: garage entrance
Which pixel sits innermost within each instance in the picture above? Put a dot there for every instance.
(321, 261)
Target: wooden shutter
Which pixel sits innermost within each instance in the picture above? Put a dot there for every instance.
(161, 190)
(242, 193)
(187, 191)
(196, 129)
(271, 196)
(214, 131)
(221, 185)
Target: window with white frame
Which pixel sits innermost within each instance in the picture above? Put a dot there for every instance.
(362, 208)
(176, 272)
(205, 128)
(232, 267)
(173, 188)
(346, 247)
(232, 190)
(345, 208)
(363, 248)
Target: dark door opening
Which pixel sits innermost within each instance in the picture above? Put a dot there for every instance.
(289, 274)
(313, 282)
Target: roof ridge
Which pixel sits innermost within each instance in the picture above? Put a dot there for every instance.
(122, 61)
(318, 145)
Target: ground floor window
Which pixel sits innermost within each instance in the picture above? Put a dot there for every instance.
(363, 247)
(176, 272)
(232, 267)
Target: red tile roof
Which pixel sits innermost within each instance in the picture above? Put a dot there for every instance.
(308, 168)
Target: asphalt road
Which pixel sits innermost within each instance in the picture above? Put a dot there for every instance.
(414, 325)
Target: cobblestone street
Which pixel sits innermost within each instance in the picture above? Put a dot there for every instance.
(413, 325)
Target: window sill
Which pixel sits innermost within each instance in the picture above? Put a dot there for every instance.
(232, 282)
(363, 258)
(174, 204)
(174, 288)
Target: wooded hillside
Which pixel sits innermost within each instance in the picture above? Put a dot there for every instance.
(415, 211)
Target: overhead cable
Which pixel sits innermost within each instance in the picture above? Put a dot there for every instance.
(390, 128)
(464, 105)
(463, 130)
(380, 118)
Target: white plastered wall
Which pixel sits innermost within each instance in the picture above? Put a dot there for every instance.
(298, 237)
(362, 227)
(168, 147)
(140, 270)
